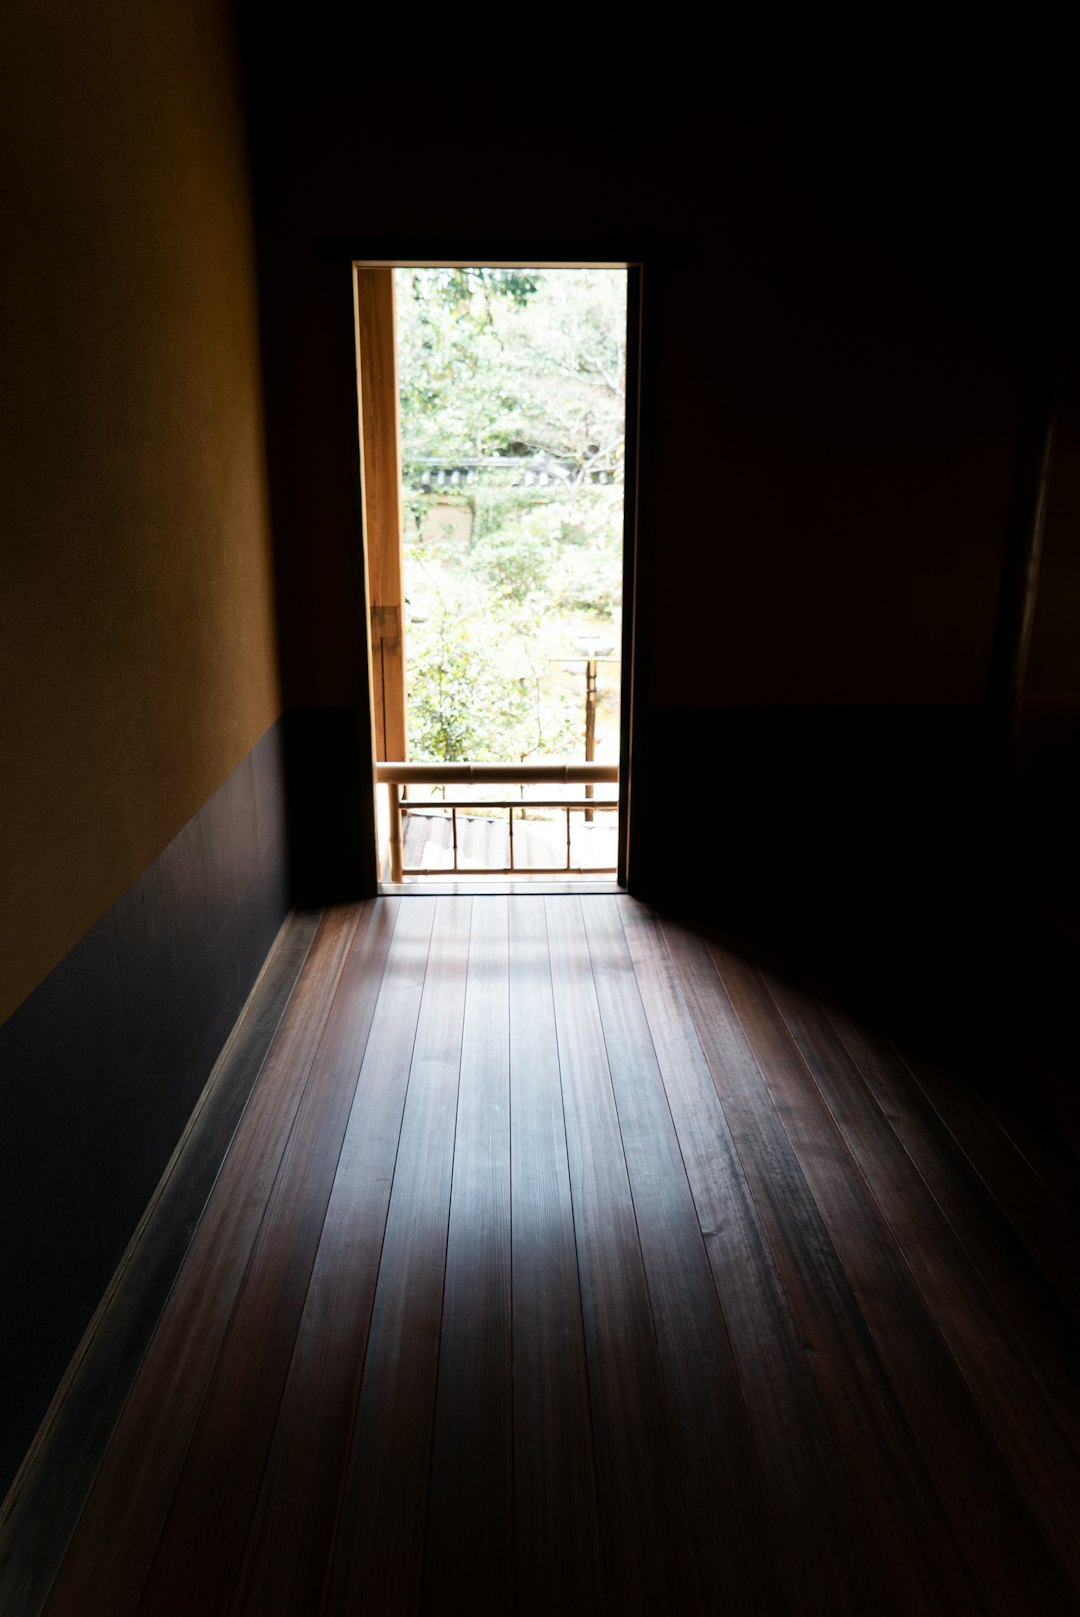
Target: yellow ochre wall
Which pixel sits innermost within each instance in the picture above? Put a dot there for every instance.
(138, 647)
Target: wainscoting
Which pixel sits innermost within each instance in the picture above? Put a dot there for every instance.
(102, 1066)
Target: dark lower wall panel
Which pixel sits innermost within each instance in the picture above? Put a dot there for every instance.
(331, 805)
(101, 1066)
(840, 827)
(884, 851)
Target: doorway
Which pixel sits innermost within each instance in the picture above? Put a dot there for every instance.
(498, 417)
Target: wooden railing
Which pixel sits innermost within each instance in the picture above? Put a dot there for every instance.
(394, 775)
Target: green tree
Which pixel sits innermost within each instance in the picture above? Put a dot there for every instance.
(524, 369)
(465, 705)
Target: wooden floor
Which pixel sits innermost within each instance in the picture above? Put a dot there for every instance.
(564, 1262)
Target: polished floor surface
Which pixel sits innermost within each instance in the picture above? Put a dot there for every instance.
(565, 1260)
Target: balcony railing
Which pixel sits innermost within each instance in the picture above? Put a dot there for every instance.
(395, 775)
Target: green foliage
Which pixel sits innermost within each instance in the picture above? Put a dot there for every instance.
(562, 556)
(459, 705)
(513, 555)
(513, 362)
(567, 369)
(449, 354)
(457, 287)
(587, 569)
(527, 366)
(468, 705)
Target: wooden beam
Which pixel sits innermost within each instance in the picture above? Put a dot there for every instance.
(380, 435)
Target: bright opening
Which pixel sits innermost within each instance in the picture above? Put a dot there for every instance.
(511, 398)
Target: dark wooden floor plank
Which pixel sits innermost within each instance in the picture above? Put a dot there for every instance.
(1041, 1216)
(827, 1555)
(968, 1486)
(557, 1550)
(1041, 1113)
(650, 1563)
(292, 1536)
(218, 1487)
(912, 1538)
(472, 1467)
(726, 1504)
(1042, 1131)
(111, 1549)
(1009, 1400)
(1042, 1327)
(378, 1554)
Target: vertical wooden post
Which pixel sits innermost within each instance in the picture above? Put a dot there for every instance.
(380, 426)
(397, 856)
(590, 723)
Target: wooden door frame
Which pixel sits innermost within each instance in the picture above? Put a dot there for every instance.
(378, 581)
(380, 476)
